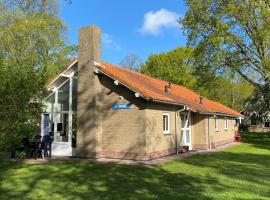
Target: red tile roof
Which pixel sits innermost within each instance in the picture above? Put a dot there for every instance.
(154, 89)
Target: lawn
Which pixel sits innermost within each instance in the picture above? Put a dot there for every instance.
(241, 172)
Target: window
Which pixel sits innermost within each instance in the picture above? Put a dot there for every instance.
(216, 123)
(233, 123)
(226, 123)
(166, 123)
(253, 121)
(267, 124)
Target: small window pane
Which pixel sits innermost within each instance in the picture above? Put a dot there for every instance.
(226, 123)
(216, 123)
(187, 137)
(253, 120)
(166, 123)
(267, 124)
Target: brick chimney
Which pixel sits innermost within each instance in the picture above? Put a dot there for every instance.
(201, 99)
(89, 91)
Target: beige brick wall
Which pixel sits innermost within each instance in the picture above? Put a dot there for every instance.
(258, 128)
(157, 141)
(221, 135)
(199, 131)
(123, 131)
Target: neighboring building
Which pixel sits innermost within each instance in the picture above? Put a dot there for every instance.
(253, 123)
(97, 109)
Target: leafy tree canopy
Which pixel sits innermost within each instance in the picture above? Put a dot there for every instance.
(31, 47)
(232, 34)
(173, 66)
(178, 66)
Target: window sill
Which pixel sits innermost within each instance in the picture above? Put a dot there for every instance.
(225, 129)
(216, 130)
(166, 133)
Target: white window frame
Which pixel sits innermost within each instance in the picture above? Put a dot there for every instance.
(216, 123)
(226, 125)
(166, 131)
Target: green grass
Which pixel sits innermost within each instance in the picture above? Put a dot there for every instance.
(241, 172)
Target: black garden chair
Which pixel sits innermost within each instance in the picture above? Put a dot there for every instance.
(36, 147)
(47, 145)
(23, 146)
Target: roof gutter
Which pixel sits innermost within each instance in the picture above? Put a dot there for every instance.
(219, 114)
(171, 103)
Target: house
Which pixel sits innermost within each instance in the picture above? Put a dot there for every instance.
(97, 109)
(253, 122)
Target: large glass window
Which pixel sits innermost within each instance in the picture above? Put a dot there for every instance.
(49, 103)
(62, 127)
(63, 97)
(74, 94)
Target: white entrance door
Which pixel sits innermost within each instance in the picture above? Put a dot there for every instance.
(186, 130)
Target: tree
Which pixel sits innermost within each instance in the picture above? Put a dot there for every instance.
(178, 66)
(31, 45)
(173, 66)
(232, 34)
(131, 61)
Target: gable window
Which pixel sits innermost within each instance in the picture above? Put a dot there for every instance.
(216, 123)
(166, 123)
(253, 121)
(226, 123)
(267, 124)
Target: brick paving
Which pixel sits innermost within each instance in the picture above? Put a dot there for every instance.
(149, 163)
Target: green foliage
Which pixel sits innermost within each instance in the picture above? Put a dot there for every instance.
(31, 46)
(232, 34)
(173, 66)
(179, 66)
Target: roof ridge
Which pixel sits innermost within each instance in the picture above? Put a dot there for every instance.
(130, 70)
(139, 73)
(153, 87)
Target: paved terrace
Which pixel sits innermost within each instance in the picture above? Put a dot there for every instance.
(148, 163)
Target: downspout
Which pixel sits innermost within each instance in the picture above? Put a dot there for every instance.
(177, 128)
(209, 134)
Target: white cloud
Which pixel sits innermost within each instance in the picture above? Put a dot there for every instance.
(155, 22)
(110, 42)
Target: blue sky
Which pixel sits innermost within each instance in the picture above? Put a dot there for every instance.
(142, 27)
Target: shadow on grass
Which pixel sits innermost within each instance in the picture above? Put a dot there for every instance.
(83, 180)
(258, 140)
(241, 172)
(248, 165)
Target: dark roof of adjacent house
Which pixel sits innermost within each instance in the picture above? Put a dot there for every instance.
(154, 89)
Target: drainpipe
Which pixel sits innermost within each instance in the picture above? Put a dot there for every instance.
(177, 128)
(209, 134)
